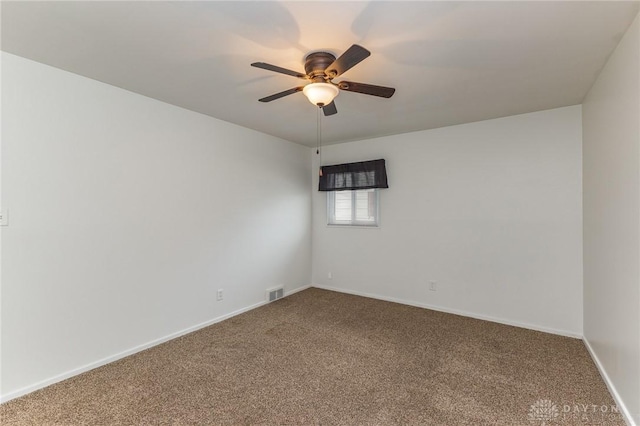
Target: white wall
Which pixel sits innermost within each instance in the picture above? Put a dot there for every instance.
(126, 215)
(490, 210)
(611, 169)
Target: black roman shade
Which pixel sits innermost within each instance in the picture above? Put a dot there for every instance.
(350, 176)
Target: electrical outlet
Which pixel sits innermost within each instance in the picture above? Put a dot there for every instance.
(330, 275)
(433, 286)
(219, 294)
(4, 217)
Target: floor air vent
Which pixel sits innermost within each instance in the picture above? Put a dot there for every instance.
(275, 293)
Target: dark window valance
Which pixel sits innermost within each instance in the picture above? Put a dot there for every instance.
(349, 176)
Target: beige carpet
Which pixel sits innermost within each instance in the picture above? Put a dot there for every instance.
(320, 357)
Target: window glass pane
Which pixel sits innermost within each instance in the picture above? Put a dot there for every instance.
(342, 205)
(357, 208)
(364, 212)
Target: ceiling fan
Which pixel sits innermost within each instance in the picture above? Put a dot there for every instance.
(321, 68)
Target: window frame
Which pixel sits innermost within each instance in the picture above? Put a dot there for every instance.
(331, 220)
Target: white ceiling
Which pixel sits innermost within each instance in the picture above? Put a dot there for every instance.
(451, 62)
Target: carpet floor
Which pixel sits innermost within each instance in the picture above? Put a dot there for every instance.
(326, 358)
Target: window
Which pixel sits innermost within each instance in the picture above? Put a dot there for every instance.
(356, 208)
(352, 192)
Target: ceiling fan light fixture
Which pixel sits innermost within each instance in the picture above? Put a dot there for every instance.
(320, 94)
(320, 68)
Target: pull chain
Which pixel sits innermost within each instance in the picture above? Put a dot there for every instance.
(319, 139)
(318, 131)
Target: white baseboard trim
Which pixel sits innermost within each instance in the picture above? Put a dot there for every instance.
(628, 418)
(295, 290)
(454, 311)
(87, 367)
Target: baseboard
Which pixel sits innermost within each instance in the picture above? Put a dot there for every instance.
(87, 367)
(455, 312)
(612, 389)
(295, 290)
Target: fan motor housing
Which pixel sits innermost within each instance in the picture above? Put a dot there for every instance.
(316, 63)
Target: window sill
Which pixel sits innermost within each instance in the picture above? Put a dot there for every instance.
(334, 225)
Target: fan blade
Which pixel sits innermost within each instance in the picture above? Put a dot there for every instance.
(281, 94)
(367, 89)
(274, 68)
(352, 57)
(330, 109)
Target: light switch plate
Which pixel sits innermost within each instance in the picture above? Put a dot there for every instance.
(4, 217)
